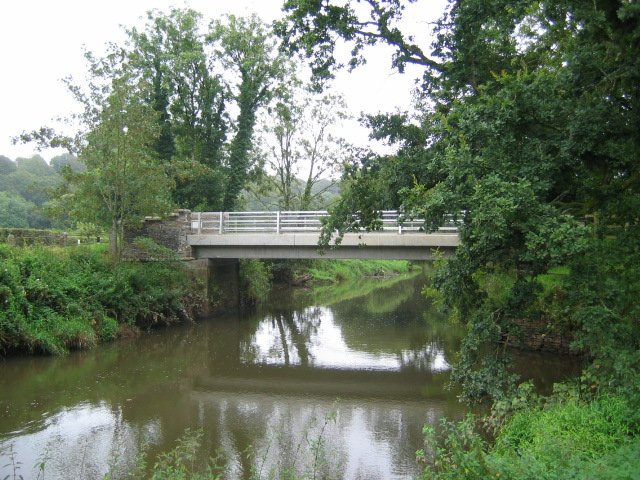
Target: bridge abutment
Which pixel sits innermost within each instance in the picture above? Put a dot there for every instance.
(171, 233)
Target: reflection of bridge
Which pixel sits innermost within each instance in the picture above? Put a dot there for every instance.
(406, 383)
(296, 234)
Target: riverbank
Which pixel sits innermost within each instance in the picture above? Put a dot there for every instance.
(326, 271)
(60, 299)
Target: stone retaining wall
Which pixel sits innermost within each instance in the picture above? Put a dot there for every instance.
(539, 336)
(170, 233)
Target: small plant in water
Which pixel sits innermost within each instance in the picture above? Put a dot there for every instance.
(317, 445)
(14, 464)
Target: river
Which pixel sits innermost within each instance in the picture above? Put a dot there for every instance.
(330, 383)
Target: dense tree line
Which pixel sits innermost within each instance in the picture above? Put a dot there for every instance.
(27, 190)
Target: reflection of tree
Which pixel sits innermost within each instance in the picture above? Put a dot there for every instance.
(397, 320)
(289, 334)
(283, 338)
(389, 299)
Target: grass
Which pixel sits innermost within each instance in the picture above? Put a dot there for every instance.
(335, 271)
(564, 439)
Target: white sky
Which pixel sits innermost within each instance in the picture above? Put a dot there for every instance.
(41, 43)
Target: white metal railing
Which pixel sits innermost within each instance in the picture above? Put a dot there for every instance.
(298, 221)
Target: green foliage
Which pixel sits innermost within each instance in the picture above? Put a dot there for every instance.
(562, 440)
(244, 45)
(7, 165)
(198, 79)
(153, 251)
(180, 462)
(190, 100)
(59, 299)
(14, 211)
(300, 139)
(255, 280)
(123, 182)
(183, 462)
(67, 160)
(524, 135)
(25, 188)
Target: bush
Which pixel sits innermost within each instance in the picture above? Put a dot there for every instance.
(255, 280)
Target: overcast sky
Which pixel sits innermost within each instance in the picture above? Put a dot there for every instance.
(41, 43)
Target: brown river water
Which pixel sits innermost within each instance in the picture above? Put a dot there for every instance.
(331, 383)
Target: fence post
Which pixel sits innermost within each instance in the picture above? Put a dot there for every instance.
(199, 223)
(278, 221)
(220, 226)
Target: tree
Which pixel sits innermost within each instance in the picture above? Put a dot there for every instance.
(197, 80)
(191, 100)
(123, 180)
(7, 165)
(527, 128)
(247, 48)
(299, 135)
(66, 160)
(14, 211)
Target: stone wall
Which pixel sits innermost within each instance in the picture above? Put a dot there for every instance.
(28, 236)
(169, 233)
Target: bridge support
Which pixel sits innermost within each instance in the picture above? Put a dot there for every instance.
(223, 284)
(220, 281)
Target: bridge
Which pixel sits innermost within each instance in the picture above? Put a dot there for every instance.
(295, 235)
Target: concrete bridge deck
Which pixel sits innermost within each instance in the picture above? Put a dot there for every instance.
(305, 245)
(295, 235)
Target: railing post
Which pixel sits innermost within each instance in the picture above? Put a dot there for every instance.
(399, 229)
(220, 226)
(278, 221)
(199, 223)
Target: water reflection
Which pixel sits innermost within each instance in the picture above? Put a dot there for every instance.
(263, 388)
(311, 337)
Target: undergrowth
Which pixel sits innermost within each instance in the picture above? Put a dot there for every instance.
(562, 437)
(55, 299)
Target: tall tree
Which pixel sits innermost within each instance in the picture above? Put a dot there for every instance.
(246, 47)
(123, 180)
(191, 100)
(300, 134)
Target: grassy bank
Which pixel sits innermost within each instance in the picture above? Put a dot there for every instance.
(562, 437)
(56, 299)
(335, 271)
